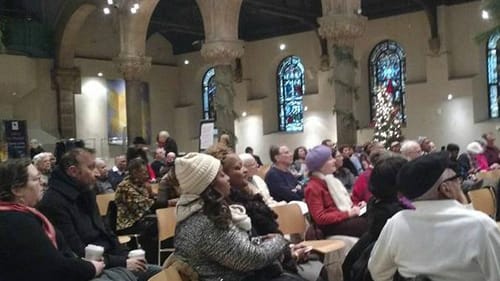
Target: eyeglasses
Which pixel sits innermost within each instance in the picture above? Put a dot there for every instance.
(455, 177)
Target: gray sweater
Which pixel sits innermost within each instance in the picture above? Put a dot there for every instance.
(218, 254)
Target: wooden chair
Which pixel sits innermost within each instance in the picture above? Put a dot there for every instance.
(166, 228)
(262, 171)
(167, 274)
(490, 178)
(484, 200)
(103, 202)
(291, 221)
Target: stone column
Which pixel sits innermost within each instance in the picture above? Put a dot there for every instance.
(67, 82)
(341, 24)
(221, 47)
(138, 113)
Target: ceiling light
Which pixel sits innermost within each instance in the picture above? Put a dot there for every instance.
(133, 10)
(450, 96)
(306, 108)
(186, 61)
(282, 46)
(485, 15)
(110, 2)
(106, 11)
(359, 11)
(136, 6)
(99, 74)
(244, 114)
(14, 93)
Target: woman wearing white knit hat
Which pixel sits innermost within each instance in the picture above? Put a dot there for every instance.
(212, 236)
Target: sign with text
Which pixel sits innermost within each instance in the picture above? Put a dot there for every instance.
(16, 137)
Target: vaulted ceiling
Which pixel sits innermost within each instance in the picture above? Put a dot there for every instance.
(180, 20)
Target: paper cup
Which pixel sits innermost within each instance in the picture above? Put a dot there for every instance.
(94, 252)
(138, 254)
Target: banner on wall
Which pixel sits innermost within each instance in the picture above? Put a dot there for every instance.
(117, 111)
(16, 138)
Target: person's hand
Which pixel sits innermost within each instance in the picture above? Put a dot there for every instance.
(99, 267)
(361, 204)
(134, 264)
(354, 211)
(300, 251)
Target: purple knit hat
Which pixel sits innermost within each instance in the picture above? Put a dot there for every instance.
(317, 157)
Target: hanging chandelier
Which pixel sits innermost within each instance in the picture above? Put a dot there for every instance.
(117, 4)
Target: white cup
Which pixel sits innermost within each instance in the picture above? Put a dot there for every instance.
(138, 254)
(94, 252)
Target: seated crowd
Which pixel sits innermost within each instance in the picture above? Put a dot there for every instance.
(404, 203)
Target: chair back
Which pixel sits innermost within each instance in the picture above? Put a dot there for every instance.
(484, 200)
(167, 274)
(290, 219)
(103, 202)
(166, 228)
(490, 178)
(262, 171)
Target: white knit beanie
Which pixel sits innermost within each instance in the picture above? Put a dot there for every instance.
(195, 172)
(475, 147)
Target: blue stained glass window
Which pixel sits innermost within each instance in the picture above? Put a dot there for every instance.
(493, 83)
(388, 65)
(291, 88)
(209, 90)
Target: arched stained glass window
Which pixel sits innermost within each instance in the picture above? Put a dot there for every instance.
(388, 71)
(291, 88)
(493, 71)
(208, 90)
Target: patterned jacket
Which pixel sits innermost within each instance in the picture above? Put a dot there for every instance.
(132, 203)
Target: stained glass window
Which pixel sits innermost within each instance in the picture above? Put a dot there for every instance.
(493, 71)
(209, 90)
(388, 70)
(291, 88)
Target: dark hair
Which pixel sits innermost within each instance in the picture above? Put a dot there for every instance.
(135, 164)
(13, 174)
(296, 152)
(215, 206)
(135, 152)
(70, 158)
(343, 146)
(326, 141)
(139, 140)
(273, 151)
(383, 177)
(452, 147)
(248, 149)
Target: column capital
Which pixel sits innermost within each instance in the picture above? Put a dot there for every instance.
(133, 67)
(222, 52)
(68, 79)
(342, 29)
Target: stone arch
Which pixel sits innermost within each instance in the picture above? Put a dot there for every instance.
(70, 25)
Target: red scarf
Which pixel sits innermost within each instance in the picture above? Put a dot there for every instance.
(47, 226)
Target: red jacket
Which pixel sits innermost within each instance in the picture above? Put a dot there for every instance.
(360, 191)
(321, 205)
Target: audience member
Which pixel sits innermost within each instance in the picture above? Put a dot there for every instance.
(491, 151)
(411, 149)
(138, 152)
(256, 183)
(203, 212)
(165, 141)
(346, 152)
(395, 147)
(329, 203)
(283, 186)
(71, 205)
(159, 162)
(249, 150)
(134, 203)
(30, 246)
(118, 172)
(383, 205)
(102, 184)
(360, 190)
(35, 148)
(454, 151)
(298, 167)
(43, 165)
(472, 161)
(408, 242)
(341, 173)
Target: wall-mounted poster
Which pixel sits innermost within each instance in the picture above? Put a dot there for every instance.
(16, 137)
(117, 112)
